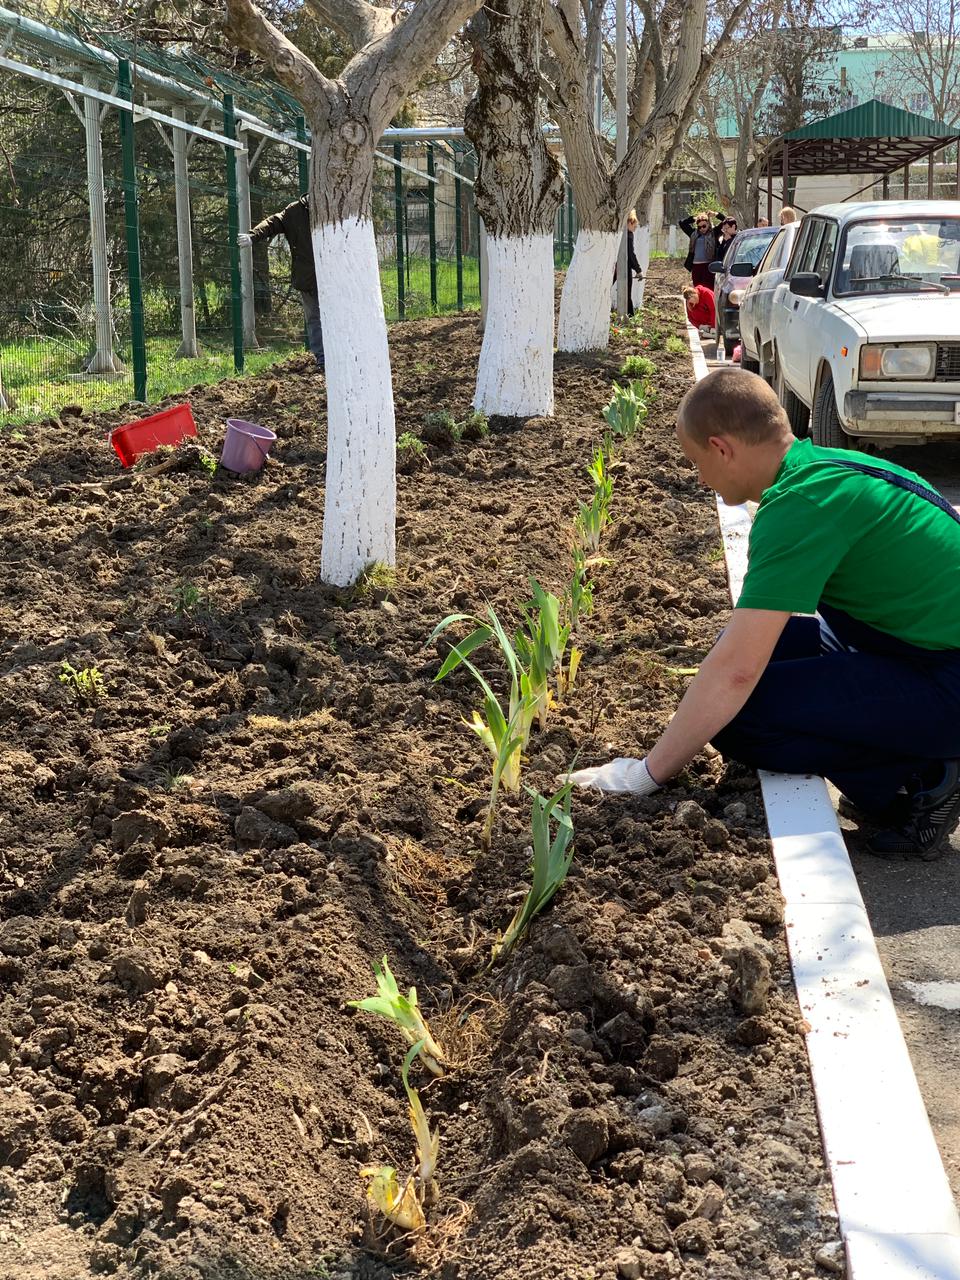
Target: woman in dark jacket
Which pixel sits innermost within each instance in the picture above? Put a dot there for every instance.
(728, 232)
(703, 246)
(634, 270)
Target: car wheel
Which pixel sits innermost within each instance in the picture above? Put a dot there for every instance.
(729, 346)
(748, 362)
(797, 413)
(826, 429)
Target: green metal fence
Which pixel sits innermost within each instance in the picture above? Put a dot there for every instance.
(427, 232)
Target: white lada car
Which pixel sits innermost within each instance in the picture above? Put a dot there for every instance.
(865, 327)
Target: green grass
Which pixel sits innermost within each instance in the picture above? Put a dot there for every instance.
(41, 385)
(416, 287)
(43, 373)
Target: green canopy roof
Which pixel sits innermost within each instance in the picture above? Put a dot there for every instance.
(873, 119)
(871, 138)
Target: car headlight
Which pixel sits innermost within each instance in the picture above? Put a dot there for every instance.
(734, 296)
(895, 360)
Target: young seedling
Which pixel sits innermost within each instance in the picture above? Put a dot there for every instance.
(637, 367)
(188, 600)
(592, 517)
(551, 862)
(504, 733)
(676, 346)
(398, 1204)
(405, 1013)
(579, 596)
(542, 646)
(428, 1144)
(410, 448)
(626, 410)
(86, 685)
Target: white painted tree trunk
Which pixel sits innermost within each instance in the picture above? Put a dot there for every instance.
(359, 514)
(515, 375)
(585, 301)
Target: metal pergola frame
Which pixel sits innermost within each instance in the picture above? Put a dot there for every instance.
(95, 79)
(873, 138)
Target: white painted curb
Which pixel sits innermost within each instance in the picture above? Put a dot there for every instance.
(897, 1215)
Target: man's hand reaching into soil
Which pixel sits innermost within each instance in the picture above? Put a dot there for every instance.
(622, 774)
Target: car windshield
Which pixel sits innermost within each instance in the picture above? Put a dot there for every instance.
(751, 246)
(899, 256)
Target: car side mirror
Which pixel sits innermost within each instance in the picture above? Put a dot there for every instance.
(741, 269)
(714, 267)
(807, 284)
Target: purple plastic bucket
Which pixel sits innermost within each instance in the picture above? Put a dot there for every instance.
(245, 446)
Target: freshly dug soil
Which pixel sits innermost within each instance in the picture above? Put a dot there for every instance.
(198, 867)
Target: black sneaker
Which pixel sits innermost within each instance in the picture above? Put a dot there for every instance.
(891, 815)
(933, 817)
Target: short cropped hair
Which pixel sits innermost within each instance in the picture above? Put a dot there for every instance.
(787, 214)
(731, 402)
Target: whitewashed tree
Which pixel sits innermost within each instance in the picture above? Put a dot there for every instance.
(346, 116)
(671, 66)
(518, 191)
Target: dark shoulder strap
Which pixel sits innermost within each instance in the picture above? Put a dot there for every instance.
(902, 482)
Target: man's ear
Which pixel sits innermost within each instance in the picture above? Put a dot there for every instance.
(722, 446)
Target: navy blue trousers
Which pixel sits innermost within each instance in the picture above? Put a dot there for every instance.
(868, 720)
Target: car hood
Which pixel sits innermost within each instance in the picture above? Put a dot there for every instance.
(905, 315)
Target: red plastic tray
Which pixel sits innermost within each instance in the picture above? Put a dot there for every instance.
(170, 426)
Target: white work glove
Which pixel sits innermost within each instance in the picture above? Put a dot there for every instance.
(622, 774)
(244, 238)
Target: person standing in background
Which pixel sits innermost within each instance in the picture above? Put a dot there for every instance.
(634, 270)
(702, 249)
(728, 230)
(787, 215)
(293, 223)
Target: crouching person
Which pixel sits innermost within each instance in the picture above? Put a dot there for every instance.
(867, 693)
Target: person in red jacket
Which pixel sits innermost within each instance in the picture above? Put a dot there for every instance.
(701, 308)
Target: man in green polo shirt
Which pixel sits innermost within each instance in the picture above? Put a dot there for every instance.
(872, 699)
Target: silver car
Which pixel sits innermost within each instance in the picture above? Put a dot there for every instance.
(756, 303)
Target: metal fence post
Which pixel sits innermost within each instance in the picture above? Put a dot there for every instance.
(398, 217)
(233, 228)
(458, 226)
(559, 235)
(181, 182)
(303, 170)
(303, 178)
(570, 236)
(131, 219)
(103, 359)
(250, 342)
(432, 224)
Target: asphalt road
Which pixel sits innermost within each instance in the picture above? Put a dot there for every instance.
(915, 912)
(914, 909)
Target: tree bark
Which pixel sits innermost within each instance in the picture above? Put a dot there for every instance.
(604, 196)
(518, 191)
(346, 118)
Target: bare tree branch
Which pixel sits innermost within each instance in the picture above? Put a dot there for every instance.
(248, 26)
(356, 20)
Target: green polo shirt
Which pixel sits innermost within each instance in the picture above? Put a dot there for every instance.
(881, 554)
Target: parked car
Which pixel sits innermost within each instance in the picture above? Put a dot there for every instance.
(738, 265)
(865, 325)
(756, 303)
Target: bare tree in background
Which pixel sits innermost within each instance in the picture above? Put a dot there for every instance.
(671, 66)
(347, 115)
(925, 62)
